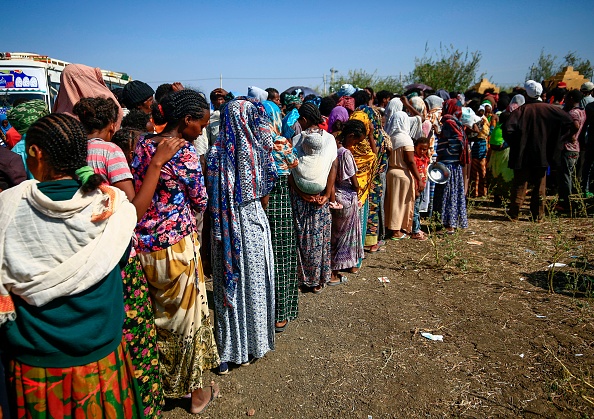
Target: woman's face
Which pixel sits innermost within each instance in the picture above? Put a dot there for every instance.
(194, 127)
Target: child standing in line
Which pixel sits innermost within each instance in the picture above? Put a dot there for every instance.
(422, 161)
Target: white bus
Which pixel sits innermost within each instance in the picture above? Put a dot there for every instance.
(32, 76)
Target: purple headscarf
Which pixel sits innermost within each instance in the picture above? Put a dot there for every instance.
(339, 113)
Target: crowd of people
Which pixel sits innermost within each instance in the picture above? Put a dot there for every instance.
(119, 205)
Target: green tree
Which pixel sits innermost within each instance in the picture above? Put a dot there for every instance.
(449, 68)
(361, 78)
(583, 66)
(545, 67)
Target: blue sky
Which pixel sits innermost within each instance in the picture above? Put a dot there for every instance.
(280, 43)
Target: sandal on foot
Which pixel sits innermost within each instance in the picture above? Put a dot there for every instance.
(318, 290)
(419, 236)
(372, 249)
(214, 393)
(341, 280)
(280, 329)
(396, 238)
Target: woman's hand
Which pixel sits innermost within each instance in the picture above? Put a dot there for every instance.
(166, 150)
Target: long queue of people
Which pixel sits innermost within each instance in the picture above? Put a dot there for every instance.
(112, 224)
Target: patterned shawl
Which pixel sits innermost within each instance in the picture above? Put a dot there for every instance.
(24, 115)
(452, 112)
(274, 113)
(240, 168)
(364, 156)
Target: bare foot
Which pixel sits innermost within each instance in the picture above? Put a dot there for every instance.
(203, 396)
(281, 324)
(353, 270)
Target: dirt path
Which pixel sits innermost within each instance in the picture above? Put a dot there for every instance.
(356, 349)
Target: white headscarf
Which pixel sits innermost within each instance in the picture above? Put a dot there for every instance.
(398, 127)
(416, 127)
(395, 105)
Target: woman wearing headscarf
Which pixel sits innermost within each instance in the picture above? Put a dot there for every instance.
(78, 81)
(434, 108)
(312, 182)
(280, 218)
(22, 117)
(10, 135)
(373, 215)
(292, 104)
(452, 150)
(338, 113)
(365, 154)
(402, 177)
(61, 306)
(241, 174)
(499, 154)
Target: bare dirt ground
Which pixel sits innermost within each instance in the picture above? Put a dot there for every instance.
(510, 347)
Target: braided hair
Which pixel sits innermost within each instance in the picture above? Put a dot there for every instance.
(64, 142)
(310, 112)
(95, 113)
(126, 138)
(174, 107)
(352, 126)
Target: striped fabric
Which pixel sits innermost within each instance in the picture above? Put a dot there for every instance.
(108, 160)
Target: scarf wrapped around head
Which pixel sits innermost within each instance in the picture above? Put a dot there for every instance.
(24, 115)
(516, 102)
(274, 113)
(3, 118)
(346, 90)
(452, 107)
(395, 105)
(443, 94)
(453, 128)
(78, 81)
(240, 169)
(347, 102)
(398, 128)
(419, 104)
(434, 102)
(292, 100)
(339, 113)
(260, 94)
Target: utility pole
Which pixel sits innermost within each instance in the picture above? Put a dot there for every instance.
(221, 81)
(325, 90)
(333, 71)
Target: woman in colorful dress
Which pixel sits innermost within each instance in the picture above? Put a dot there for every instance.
(312, 183)
(98, 116)
(280, 217)
(346, 243)
(365, 154)
(60, 365)
(170, 253)
(452, 150)
(241, 174)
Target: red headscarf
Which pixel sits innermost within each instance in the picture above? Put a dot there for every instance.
(451, 107)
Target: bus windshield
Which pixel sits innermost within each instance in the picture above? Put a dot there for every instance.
(7, 99)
